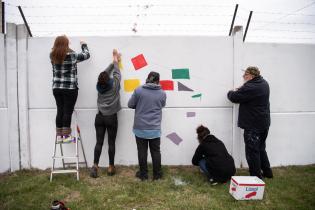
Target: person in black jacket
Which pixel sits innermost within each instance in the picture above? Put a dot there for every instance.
(212, 157)
(254, 118)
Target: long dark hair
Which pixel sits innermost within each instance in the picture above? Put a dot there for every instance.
(202, 132)
(60, 49)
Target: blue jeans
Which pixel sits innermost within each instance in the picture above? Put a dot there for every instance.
(203, 167)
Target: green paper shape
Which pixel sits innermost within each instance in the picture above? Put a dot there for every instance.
(180, 74)
(197, 96)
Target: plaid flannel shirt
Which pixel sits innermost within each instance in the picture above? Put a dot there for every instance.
(65, 74)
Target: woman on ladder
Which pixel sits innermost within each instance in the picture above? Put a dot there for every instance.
(65, 83)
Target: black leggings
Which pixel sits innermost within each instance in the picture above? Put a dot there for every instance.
(101, 124)
(65, 100)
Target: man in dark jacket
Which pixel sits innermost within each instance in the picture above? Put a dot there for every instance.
(254, 118)
(212, 157)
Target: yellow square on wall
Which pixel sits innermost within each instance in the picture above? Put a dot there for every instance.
(131, 84)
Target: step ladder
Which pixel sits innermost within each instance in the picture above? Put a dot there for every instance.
(75, 159)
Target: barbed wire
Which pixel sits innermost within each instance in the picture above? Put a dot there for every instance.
(275, 13)
(159, 5)
(286, 23)
(281, 37)
(109, 30)
(126, 23)
(145, 6)
(143, 12)
(280, 13)
(279, 30)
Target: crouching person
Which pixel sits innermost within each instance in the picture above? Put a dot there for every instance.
(212, 157)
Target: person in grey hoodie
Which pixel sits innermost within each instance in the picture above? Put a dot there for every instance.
(108, 103)
(148, 101)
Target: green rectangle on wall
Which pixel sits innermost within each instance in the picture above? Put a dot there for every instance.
(180, 74)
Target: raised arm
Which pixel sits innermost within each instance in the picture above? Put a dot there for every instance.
(85, 54)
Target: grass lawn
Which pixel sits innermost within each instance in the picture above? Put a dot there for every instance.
(292, 188)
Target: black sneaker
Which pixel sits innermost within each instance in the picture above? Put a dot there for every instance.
(93, 172)
(267, 174)
(157, 176)
(141, 176)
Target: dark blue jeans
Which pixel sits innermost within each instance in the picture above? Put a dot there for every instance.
(203, 167)
(255, 150)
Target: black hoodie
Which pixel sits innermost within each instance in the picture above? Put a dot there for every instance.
(220, 163)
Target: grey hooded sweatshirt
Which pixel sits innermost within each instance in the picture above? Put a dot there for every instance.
(148, 101)
(108, 103)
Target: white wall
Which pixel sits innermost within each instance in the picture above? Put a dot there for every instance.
(42, 132)
(215, 65)
(4, 141)
(289, 69)
(210, 61)
(3, 101)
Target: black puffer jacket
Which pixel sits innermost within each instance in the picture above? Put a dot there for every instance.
(253, 97)
(220, 163)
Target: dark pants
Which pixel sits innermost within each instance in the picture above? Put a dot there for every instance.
(65, 100)
(154, 144)
(101, 124)
(255, 150)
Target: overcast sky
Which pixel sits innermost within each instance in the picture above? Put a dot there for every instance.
(272, 20)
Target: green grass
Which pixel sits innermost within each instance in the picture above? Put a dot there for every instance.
(292, 188)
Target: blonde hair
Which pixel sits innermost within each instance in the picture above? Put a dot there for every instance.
(253, 70)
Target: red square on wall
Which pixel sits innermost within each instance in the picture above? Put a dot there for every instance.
(167, 84)
(139, 62)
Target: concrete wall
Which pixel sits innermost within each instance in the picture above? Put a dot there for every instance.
(4, 140)
(215, 65)
(162, 54)
(1, 15)
(289, 68)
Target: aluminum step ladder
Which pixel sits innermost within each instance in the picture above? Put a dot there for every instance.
(75, 159)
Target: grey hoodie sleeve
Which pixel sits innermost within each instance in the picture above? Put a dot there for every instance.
(116, 73)
(132, 103)
(109, 68)
(163, 100)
